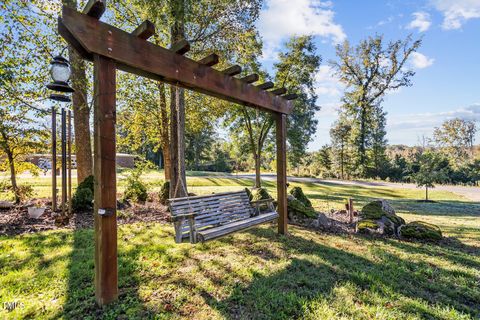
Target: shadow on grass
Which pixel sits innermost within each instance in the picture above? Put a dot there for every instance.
(411, 287)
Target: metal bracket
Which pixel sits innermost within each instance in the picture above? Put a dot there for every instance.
(106, 212)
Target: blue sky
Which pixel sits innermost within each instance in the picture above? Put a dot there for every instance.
(447, 80)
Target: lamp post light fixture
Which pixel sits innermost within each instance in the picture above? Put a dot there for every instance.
(60, 72)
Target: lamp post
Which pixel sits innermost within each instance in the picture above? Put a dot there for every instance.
(60, 73)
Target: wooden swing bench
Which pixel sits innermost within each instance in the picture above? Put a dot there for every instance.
(202, 218)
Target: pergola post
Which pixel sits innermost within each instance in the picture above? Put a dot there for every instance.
(106, 286)
(281, 136)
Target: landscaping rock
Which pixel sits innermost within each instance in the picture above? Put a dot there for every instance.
(297, 192)
(419, 230)
(379, 217)
(297, 209)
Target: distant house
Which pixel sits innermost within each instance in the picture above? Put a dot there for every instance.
(44, 161)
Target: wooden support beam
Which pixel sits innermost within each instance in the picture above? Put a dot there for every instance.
(94, 8)
(279, 91)
(210, 60)
(290, 96)
(145, 30)
(266, 85)
(146, 59)
(105, 190)
(251, 78)
(281, 137)
(180, 47)
(233, 70)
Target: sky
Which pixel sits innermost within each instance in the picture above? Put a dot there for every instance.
(447, 65)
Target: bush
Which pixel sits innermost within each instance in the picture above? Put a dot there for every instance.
(24, 192)
(164, 192)
(135, 190)
(83, 197)
(297, 192)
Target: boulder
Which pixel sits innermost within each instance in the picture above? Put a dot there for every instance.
(379, 217)
(419, 230)
(297, 192)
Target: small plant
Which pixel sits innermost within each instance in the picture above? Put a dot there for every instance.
(136, 189)
(83, 197)
(164, 192)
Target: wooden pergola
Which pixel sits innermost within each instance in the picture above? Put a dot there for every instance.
(110, 49)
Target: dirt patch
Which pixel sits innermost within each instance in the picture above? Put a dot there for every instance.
(16, 220)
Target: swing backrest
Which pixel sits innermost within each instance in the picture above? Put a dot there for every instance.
(212, 210)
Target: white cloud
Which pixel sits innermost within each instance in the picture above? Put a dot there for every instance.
(421, 21)
(457, 12)
(420, 61)
(327, 83)
(281, 19)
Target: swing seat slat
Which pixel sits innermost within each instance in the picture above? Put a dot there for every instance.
(202, 218)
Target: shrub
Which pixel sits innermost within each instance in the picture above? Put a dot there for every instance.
(297, 192)
(83, 197)
(164, 192)
(24, 192)
(135, 190)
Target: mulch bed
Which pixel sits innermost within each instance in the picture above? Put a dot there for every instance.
(16, 220)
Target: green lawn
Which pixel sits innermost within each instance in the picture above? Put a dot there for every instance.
(258, 274)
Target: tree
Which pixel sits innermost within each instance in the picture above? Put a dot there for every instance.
(208, 26)
(340, 133)
(431, 170)
(456, 137)
(370, 70)
(296, 72)
(19, 136)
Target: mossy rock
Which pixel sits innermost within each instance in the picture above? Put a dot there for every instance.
(420, 230)
(398, 221)
(297, 192)
(297, 208)
(260, 194)
(366, 224)
(372, 210)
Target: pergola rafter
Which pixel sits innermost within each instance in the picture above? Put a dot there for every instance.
(110, 48)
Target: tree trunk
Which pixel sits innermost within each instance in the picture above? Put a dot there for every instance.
(342, 160)
(13, 177)
(426, 193)
(258, 180)
(178, 184)
(165, 138)
(363, 135)
(81, 111)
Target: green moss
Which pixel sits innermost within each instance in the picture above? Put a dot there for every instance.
(367, 223)
(297, 192)
(164, 193)
(372, 210)
(421, 230)
(260, 194)
(297, 208)
(397, 221)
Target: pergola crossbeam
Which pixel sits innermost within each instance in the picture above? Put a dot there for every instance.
(279, 91)
(210, 60)
(94, 8)
(251, 78)
(145, 30)
(266, 85)
(233, 70)
(180, 47)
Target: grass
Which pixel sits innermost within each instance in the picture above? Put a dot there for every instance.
(258, 274)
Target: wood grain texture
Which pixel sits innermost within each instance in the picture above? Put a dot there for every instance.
(233, 70)
(210, 60)
(94, 8)
(281, 134)
(144, 58)
(145, 30)
(105, 191)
